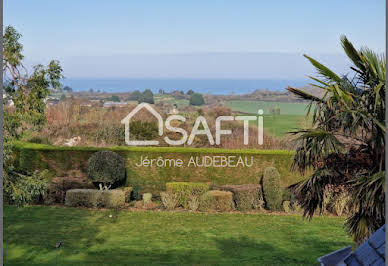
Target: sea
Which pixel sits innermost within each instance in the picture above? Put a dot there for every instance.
(204, 86)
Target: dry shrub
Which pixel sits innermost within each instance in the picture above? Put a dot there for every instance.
(337, 200)
(169, 200)
(193, 202)
(216, 200)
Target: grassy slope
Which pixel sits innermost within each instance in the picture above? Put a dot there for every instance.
(145, 237)
(292, 115)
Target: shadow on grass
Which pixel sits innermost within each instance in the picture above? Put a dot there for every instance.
(31, 234)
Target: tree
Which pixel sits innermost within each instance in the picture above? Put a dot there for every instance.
(147, 97)
(345, 146)
(28, 93)
(135, 96)
(67, 89)
(63, 97)
(190, 92)
(114, 98)
(197, 99)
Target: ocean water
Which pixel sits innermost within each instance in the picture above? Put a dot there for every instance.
(209, 86)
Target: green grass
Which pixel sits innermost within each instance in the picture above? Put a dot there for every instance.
(252, 107)
(280, 125)
(144, 237)
(292, 115)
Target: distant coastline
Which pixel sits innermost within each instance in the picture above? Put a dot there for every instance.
(206, 86)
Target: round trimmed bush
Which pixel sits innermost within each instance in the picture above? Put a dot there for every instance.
(106, 168)
(271, 189)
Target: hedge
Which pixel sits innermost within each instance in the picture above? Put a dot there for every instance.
(186, 190)
(246, 197)
(271, 189)
(95, 198)
(61, 161)
(216, 200)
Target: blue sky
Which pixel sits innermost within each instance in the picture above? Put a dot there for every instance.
(74, 31)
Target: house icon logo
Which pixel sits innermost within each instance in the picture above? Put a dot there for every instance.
(127, 128)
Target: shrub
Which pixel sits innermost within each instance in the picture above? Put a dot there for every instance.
(128, 192)
(107, 168)
(216, 200)
(336, 200)
(246, 197)
(193, 202)
(144, 130)
(95, 198)
(286, 206)
(147, 97)
(271, 189)
(169, 200)
(184, 190)
(24, 189)
(197, 99)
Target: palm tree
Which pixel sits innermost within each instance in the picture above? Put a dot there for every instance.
(345, 146)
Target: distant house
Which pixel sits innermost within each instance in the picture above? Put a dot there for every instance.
(371, 252)
(115, 104)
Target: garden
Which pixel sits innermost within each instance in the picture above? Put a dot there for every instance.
(95, 205)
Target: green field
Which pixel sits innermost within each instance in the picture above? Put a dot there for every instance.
(292, 115)
(251, 107)
(152, 237)
(171, 100)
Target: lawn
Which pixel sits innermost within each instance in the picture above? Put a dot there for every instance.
(144, 237)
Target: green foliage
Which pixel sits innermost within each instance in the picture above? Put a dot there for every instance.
(186, 190)
(67, 89)
(95, 198)
(197, 99)
(271, 189)
(107, 168)
(346, 141)
(216, 200)
(135, 96)
(190, 92)
(147, 97)
(24, 189)
(246, 197)
(27, 93)
(60, 160)
(114, 98)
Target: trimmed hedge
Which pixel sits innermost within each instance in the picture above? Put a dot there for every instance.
(62, 161)
(186, 191)
(271, 189)
(216, 200)
(106, 168)
(246, 197)
(95, 198)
